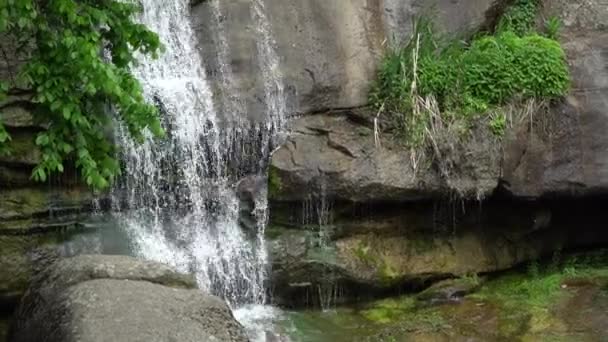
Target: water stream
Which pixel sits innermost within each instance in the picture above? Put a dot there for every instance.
(176, 200)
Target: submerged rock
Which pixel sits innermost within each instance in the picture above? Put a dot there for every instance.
(449, 290)
(248, 191)
(118, 298)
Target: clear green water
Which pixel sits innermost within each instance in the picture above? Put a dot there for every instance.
(339, 325)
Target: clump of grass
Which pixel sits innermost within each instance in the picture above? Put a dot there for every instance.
(519, 17)
(434, 88)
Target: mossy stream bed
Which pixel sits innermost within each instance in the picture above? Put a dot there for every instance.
(563, 299)
(546, 302)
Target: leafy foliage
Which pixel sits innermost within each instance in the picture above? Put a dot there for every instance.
(519, 17)
(468, 79)
(552, 27)
(79, 72)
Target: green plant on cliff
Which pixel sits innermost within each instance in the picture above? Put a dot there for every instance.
(78, 75)
(520, 17)
(435, 81)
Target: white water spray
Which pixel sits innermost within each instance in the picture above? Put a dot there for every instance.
(178, 200)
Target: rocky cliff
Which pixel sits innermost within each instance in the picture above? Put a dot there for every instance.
(33, 216)
(328, 50)
(346, 199)
(339, 163)
(565, 156)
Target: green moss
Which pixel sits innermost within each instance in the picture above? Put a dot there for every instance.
(273, 232)
(404, 311)
(275, 185)
(362, 252)
(389, 310)
(469, 280)
(525, 300)
(387, 273)
(422, 243)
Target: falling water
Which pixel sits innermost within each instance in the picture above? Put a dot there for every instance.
(274, 89)
(177, 201)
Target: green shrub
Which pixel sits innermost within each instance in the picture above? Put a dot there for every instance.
(552, 27)
(520, 17)
(467, 79)
(498, 124)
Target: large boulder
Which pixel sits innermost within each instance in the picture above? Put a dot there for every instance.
(33, 224)
(118, 298)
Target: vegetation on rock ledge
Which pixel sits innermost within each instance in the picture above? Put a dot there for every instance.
(79, 54)
(434, 80)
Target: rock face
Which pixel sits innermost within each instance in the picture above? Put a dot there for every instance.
(573, 160)
(327, 50)
(33, 215)
(338, 156)
(32, 223)
(350, 211)
(566, 155)
(374, 249)
(115, 298)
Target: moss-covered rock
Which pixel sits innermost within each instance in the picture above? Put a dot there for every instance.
(386, 248)
(4, 325)
(23, 149)
(33, 221)
(566, 302)
(28, 208)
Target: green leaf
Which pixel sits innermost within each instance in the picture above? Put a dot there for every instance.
(71, 77)
(66, 113)
(42, 139)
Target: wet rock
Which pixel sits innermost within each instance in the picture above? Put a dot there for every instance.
(249, 190)
(450, 290)
(33, 223)
(118, 298)
(410, 246)
(338, 156)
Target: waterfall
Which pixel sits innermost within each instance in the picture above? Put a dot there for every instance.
(176, 199)
(274, 89)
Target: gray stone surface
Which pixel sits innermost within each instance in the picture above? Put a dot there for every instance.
(117, 298)
(332, 156)
(564, 154)
(328, 49)
(336, 155)
(573, 159)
